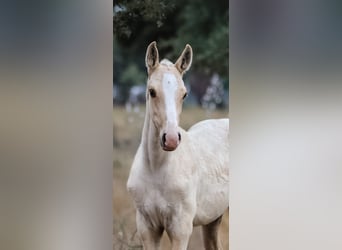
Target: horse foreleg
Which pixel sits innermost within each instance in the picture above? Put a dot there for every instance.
(149, 237)
(210, 235)
(179, 234)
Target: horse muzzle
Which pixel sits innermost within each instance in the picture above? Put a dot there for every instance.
(170, 141)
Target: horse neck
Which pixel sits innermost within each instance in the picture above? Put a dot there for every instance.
(153, 153)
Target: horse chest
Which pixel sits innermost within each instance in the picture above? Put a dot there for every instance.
(160, 196)
(162, 190)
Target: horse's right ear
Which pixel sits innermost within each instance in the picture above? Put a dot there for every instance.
(152, 57)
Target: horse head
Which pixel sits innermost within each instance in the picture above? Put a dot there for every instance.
(165, 93)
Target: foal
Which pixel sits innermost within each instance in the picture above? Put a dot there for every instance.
(178, 179)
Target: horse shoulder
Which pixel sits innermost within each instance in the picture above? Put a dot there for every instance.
(209, 138)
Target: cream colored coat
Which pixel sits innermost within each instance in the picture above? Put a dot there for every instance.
(186, 186)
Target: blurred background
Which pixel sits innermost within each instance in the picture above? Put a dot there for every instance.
(173, 24)
(56, 111)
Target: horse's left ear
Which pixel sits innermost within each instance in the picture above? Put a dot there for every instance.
(183, 63)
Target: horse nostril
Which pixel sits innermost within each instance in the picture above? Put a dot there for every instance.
(179, 137)
(164, 138)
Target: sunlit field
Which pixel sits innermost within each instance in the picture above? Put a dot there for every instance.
(127, 132)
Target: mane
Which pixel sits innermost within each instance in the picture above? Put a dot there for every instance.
(166, 62)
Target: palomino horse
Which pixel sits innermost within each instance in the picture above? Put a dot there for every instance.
(179, 179)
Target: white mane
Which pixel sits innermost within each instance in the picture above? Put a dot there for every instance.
(166, 62)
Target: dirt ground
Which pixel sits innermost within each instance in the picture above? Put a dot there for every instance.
(127, 132)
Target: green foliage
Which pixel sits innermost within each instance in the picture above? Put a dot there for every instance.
(132, 75)
(129, 77)
(202, 24)
(128, 15)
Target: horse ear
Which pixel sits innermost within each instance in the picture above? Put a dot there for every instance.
(183, 63)
(152, 56)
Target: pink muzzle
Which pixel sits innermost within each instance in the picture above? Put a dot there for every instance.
(170, 140)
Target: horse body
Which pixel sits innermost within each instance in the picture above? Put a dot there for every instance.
(174, 185)
(211, 158)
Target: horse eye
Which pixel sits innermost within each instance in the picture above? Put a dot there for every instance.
(152, 93)
(185, 95)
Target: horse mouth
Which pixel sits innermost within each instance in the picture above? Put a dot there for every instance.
(166, 148)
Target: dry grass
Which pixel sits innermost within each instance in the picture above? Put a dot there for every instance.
(127, 132)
